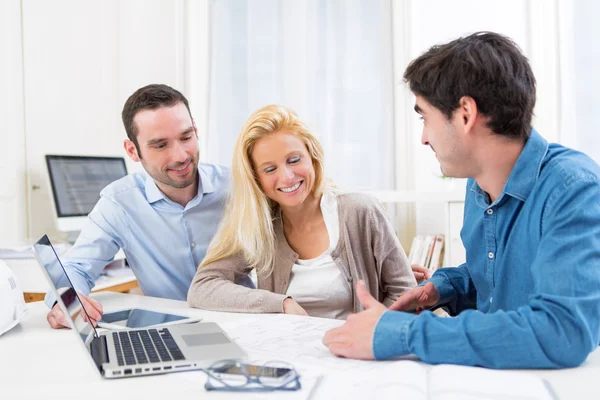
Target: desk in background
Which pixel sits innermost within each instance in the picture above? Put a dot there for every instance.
(34, 284)
(39, 362)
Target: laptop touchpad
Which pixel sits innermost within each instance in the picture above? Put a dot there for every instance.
(205, 339)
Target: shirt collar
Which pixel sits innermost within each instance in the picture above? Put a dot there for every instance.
(205, 184)
(527, 168)
(154, 194)
(525, 171)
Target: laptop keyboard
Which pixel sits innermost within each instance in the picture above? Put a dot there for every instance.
(146, 346)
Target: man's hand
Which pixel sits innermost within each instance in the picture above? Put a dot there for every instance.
(57, 320)
(421, 273)
(417, 299)
(354, 339)
(290, 306)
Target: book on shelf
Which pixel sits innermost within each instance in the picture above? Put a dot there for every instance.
(437, 257)
(427, 251)
(430, 240)
(414, 248)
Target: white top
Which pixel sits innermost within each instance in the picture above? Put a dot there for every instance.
(318, 284)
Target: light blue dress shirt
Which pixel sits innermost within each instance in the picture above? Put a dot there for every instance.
(163, 241)
(529, 293)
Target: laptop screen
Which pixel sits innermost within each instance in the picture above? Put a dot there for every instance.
(59, 279)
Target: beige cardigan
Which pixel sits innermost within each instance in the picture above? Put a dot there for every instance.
(368, 249)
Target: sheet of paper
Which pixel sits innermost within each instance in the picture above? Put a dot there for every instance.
(384, 380)
(291, 338)
(298, 340)
(453, 382)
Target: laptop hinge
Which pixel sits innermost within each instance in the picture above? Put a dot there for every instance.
(99, 351)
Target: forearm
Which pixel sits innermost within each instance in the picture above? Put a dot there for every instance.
(396, 280)
(455, 287)
(214, 291)
(96, 246)
(396, 275)
(81, 272)
(81, 283)
(544, 334)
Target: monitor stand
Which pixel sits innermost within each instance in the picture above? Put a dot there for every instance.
(72, 236)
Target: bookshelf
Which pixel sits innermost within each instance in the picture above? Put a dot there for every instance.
(453, 203)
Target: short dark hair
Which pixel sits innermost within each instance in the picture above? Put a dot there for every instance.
(149, 97)
(486, 66)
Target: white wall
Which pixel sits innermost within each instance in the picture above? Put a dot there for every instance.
(81, 60)
(13, 210)
(70, 82)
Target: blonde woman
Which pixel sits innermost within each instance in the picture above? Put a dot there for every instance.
(308, 244)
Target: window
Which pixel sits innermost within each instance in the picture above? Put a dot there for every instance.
(330, 61)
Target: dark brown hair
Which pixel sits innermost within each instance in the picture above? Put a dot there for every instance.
(486, 66)
(149, 97)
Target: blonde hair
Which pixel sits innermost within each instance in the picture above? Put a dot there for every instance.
(247, 226)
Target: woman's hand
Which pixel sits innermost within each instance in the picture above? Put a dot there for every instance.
(290, 306)
(421, 273)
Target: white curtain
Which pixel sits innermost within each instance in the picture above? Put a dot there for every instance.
(578, 34)
(330, 61)
(586, 34)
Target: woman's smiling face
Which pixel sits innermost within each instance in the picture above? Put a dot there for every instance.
(284, 168)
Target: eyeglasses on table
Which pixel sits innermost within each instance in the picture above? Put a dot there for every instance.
(234, 375)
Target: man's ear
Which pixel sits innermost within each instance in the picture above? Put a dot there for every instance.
(467, 112)
(195, 127)
(131, 150)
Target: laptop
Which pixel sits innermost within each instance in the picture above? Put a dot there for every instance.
(135, 352)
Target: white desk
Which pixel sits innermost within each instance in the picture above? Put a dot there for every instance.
(34, 283)
(34, 360)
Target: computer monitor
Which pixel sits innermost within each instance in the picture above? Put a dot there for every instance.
(76, 182)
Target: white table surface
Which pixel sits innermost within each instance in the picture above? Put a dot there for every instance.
(39, 362)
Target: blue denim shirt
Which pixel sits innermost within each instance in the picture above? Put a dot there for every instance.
(529, 293)
(163, 241)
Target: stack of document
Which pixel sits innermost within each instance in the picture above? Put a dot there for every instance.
(117, 269)
(25, 251)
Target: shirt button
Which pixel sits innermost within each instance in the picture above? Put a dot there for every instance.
(193, 245)
(490, 255)
(490, 211)
(491, 299)
(349, 279)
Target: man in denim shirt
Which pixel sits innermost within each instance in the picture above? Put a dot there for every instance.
(529, 294)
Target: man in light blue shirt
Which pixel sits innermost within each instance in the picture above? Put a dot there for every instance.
(529, 294)
(163, 218)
